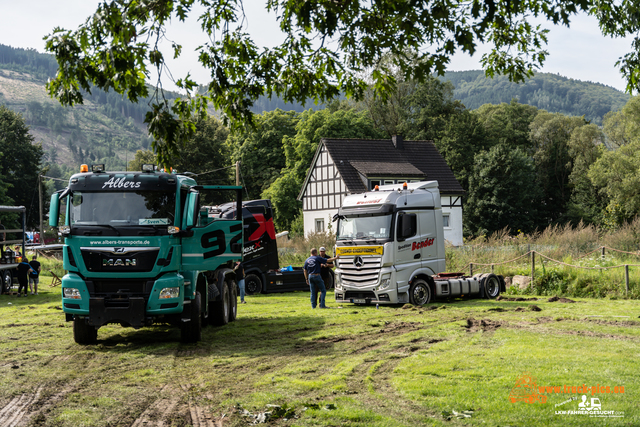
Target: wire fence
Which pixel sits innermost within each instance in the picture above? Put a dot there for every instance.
(531, 254)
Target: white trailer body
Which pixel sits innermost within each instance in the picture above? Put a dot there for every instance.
(391, 247)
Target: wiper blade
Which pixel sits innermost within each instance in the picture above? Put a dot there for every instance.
(103, 225)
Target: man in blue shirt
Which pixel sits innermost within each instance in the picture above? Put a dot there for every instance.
(312, 270)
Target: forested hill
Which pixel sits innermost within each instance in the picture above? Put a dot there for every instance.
(545, 91)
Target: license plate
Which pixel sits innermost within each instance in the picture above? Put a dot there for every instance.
(359, 301)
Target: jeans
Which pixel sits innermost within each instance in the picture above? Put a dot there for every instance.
(241, 286)
(316, 284)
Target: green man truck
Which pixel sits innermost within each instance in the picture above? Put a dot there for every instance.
(139, 250)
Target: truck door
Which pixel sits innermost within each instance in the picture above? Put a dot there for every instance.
(427, 239)
(209, 242)
(408, 257)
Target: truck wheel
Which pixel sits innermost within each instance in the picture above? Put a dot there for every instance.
(233, 302)
(328, 281)
(252, 284)
(83, 333)
(420, 292)
(219, 310)
(7, 281)
(492, 286)
(191, 331)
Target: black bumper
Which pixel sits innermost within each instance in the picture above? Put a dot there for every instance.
(132, 314)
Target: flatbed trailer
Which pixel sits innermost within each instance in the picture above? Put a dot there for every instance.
(8, 266)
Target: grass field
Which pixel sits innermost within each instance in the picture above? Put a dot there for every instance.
(445, 364)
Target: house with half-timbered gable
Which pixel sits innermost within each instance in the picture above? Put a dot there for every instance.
(349, 166)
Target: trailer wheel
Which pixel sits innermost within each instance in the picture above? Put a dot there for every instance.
(492, 286)
(191, 331)
(219, 310)
(233, 302)
(83, 333)
(252, 284)
(7, 281)
(420, 292)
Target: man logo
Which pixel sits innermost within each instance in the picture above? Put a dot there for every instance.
(358, 261)
(119, 250)
(110, 262)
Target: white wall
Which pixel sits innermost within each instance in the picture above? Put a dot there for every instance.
(453, 233)
(310, 220)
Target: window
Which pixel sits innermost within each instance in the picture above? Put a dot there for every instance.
(445, 220)
(319, 225)
(374, 183)
(389, 181)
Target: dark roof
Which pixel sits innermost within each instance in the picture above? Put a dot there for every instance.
(380, 158)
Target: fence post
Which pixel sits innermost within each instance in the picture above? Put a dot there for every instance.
(533, 266)
(491, 268)
(626, 278)
(603, 252)
(471, 269)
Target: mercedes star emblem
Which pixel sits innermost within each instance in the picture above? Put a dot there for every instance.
(358, 261)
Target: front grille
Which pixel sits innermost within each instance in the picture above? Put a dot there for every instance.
(365, 275)
(133, 261)
(360, 295)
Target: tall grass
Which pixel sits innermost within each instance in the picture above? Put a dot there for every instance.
(577, 246)
(296, 250)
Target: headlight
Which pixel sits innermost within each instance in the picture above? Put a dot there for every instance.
(169, 293)
(72, 293)
(384, 283)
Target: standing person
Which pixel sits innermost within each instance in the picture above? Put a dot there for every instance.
(240, 278)
(324, 272)
(312, 268)
(23, 269)
(34, 278)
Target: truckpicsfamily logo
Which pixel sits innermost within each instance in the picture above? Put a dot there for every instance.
(368, 202)
(114, 182)
(526, 390)
(425, 243)
(359, 250)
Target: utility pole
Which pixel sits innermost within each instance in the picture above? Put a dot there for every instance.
(40, 203)
(238, 173)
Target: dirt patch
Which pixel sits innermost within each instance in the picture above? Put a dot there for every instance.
(628, 323)
(474, 325)
(501, 298)
(497, 309)
(534, 308)
(556, 299)
(403, 327)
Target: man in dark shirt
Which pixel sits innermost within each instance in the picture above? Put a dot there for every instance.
(23, 269)
(324, 272)
(34, 277)
(312, 269)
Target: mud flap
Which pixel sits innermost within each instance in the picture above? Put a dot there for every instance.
(133, 314)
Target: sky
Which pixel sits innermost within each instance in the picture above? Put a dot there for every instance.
(580, 52)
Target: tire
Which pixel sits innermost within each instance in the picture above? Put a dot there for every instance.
(83, 333)
(420, 292)
(7, 282)
(191, 331)
(328, 281)
(219, 310)
(252, 284)
(233, 302)
(492, 286)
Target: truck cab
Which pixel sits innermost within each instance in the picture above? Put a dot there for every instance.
(386, 238)
(138, 252)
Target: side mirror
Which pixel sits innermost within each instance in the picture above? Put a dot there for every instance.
(192, 209)
(54, 210)
(407, 225)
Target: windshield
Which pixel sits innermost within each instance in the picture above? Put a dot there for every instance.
(368, 227)
(123, 208)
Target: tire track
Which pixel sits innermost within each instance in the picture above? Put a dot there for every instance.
(17, 409)
(158, 413)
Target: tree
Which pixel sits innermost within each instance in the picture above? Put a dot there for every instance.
(550, 134)
(312, 126)
(617, 175)
(327, 45)
(586, 146)
(502, 193)
(20, 162)
(142, 157)
(260, 149)
(508, 124)
(622, 127)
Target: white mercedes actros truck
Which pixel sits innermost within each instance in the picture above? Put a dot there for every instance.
(391, 247)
